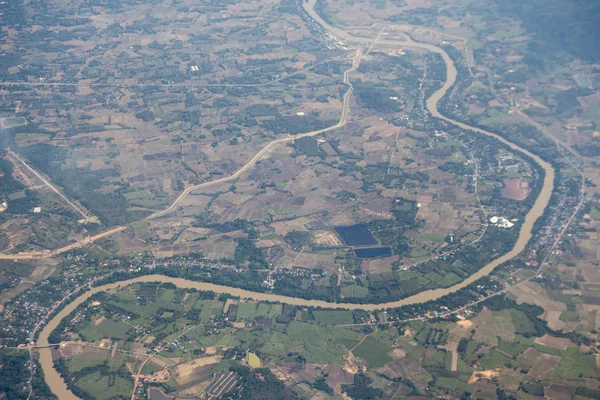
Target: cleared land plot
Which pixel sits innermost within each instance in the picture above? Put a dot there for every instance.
(554, 342)
(539, 364)
(513, 189)
(222, 383)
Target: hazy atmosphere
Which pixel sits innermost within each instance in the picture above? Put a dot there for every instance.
(299, 199)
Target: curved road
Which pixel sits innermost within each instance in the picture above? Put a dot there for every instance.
(58, 385)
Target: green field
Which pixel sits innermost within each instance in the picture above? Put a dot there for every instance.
(251, 310)
(522, 324)
(354, 291)
(575, 365)
(150, 368)
(253, 360)
(319, 344)
(547, 349)
(99, 387)
(513, 348)
(337, 317)
(76, 364)
(246, 310)
(434, 237)
(494, 359)
(453, 384)
(373, 352)
(270, 236)
(504, 324)
(106, 329)
(277, 344)
(443, 280)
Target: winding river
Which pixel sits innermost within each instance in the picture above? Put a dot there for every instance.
(59, 387)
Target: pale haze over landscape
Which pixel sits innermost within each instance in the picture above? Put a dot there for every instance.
(299, 199)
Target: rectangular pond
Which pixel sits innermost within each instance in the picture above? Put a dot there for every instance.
(373, 252)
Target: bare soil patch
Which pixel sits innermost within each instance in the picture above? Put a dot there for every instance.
(514, 189)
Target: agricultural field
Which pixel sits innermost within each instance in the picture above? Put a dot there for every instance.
(241, 143)
(191, 339)
(191, 137)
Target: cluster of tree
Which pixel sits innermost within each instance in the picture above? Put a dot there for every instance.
(566, 100)
(84, 184)
(15, 373)
(532, 312)
(419, 16)
(570, 27)
(297, 239)
(261, 384)
(296, 124)
(320, 383)
(72, 377)
(533, 388)
(457, 168)
(246, 251)
(309, 146)
(378, 98)
(436, 336)
(361, 389)
(392, 232)
(9, 185)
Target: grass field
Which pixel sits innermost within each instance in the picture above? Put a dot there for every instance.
(76, 364)
(354, 291)
(435, 359)
(503, 322)
(522, 324)
(320, 343)
(251, 310)
(337, 317)
(453, 384)
(253, 360)
(150, 368)
(271, 236)
(206, 309)
(246, 310)
(574, 365)
(97, 386)
(277, 344)
(548, 350)
(373, 352)
(513, 348)
(494, 359)
(106, 329)
(434, 237)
